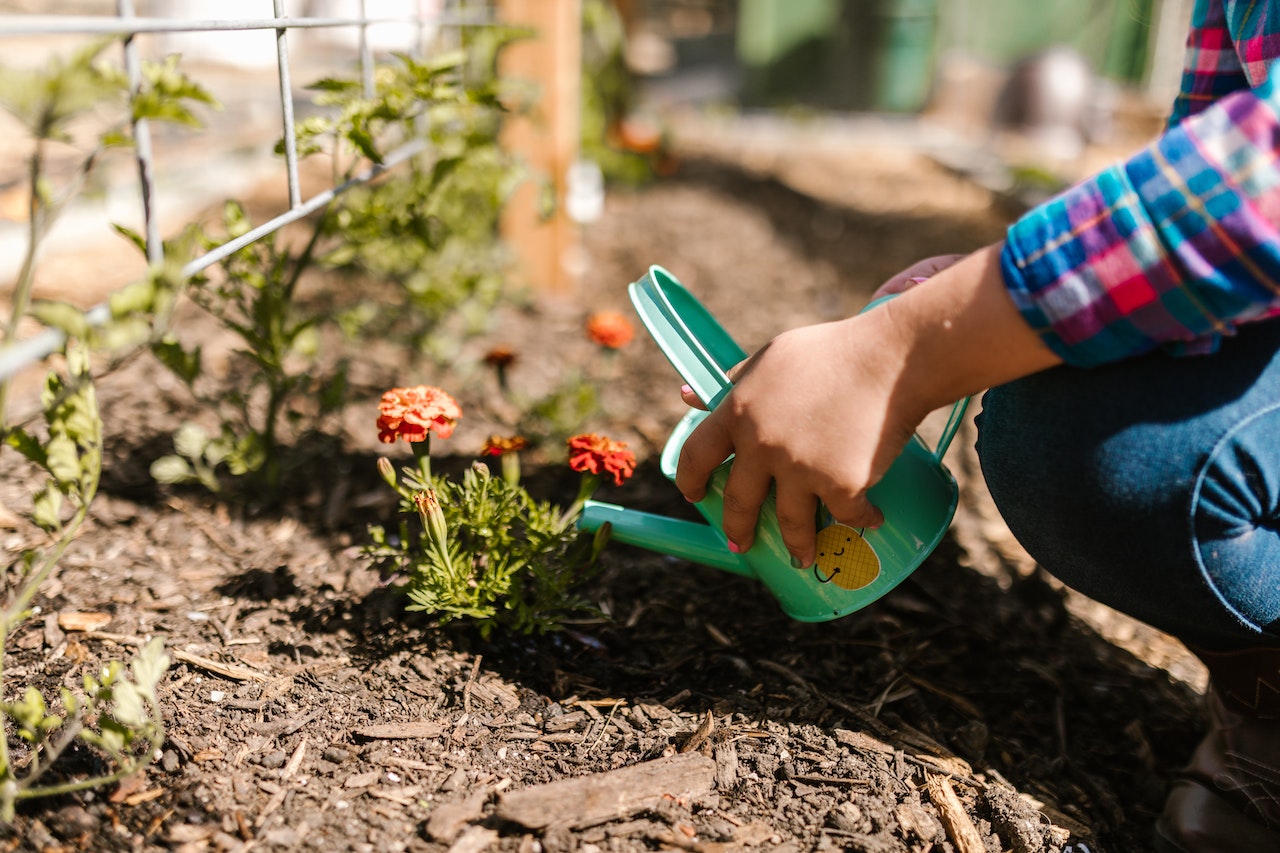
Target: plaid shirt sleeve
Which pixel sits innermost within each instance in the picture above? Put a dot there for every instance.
(1181, 243)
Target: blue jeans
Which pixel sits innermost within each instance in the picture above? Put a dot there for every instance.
(1152, 485)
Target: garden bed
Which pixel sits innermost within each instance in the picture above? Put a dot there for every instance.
(307, 710)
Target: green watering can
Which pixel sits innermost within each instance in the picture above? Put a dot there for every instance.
(855, 567)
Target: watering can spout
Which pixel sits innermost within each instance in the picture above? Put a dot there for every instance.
(686, 540)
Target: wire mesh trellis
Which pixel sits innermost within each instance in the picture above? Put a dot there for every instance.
(358, 35)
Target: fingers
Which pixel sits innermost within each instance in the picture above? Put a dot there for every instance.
(690, 398)
(703, 451)
(797, 521)
(745, 491)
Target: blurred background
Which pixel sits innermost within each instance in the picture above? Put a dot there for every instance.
(1022, 98)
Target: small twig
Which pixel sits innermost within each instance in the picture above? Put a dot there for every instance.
(466, 691)
(295, 760)
(607, 721)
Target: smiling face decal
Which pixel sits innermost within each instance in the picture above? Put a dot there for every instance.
(845, 558)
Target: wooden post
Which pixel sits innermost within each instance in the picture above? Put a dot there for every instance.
(547, 140)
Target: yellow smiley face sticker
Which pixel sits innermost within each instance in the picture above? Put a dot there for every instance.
(845, 558)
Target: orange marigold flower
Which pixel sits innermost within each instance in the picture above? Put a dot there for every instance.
(610, 329)
(500, 357)
(496, 445)
(594, 454)
(414, 413)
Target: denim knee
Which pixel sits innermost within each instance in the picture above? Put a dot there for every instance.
(1152, 486)
(1236, 513)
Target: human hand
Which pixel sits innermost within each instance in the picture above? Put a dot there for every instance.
(812, 416)
(822, 411)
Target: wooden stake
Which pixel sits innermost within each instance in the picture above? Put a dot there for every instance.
(548, 140)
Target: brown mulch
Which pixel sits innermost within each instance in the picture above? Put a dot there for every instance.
(971, 709)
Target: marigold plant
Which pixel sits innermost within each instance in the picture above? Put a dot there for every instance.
(591, 453)
(414, 413)
(484, 550)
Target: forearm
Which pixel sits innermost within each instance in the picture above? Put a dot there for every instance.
(954, 335)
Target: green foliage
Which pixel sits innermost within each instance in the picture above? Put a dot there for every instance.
(487, 552)
(433, 230)
(118, 713)
(282, 388)
(46, 99)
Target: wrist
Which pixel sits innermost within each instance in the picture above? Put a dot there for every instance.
(957, 334)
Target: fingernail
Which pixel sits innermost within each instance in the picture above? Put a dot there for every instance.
(919, 279)
(795, 562)
(733, 547)
(685, 389)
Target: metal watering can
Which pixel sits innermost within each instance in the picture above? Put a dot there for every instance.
(855, 567)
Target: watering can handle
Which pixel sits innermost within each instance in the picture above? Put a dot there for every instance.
(697, 346)
(949, 431)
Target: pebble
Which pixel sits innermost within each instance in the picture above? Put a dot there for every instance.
(272, 760)
(336, 754)
(170, 761)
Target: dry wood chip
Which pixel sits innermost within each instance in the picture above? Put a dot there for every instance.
(295, 761)
(185, 833)
(361, 780)
(74, 620)
(863, 742)
(916, 820)
(726, 756)
(229, 671)
(522, 734)
(960, 829)
(474, 840)
(562, 737)
(700, 734)
(448, 819)
(402, 731)
(209, 754)
(144, 796)
(565, 722)
(401, 796)
(602, 797)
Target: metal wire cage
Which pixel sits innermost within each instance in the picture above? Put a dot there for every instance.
(252, 53)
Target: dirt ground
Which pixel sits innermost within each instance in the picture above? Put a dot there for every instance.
(979, 690)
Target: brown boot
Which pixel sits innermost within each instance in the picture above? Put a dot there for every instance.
(1227, 800)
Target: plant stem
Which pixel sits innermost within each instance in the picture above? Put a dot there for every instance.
(422, 456)
(586, 488)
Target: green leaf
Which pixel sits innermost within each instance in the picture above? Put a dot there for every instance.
(129, 708)
(46, 505)
(132, 236)
(190, 441)
(186, 364)
(63, 459)
(171, 470)
(62, 316)
(23, 442)
(136, 298)
(150, 666)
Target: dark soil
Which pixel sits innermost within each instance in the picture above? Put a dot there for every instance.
(978, 671)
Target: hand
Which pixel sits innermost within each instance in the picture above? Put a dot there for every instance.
(812, 415)
(822, 411)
